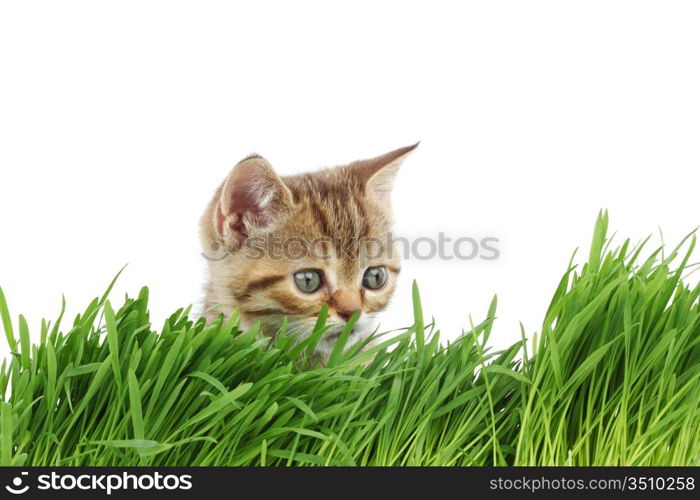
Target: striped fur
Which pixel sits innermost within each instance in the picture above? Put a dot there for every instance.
(334, 211)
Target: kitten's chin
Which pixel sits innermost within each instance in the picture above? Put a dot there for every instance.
(327, 343)
(360, 331)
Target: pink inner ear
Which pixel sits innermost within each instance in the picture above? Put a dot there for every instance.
(241, 202)
(245, 202)
(250, 194)
(242, 196)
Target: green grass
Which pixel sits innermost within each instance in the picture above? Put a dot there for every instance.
(613, 378)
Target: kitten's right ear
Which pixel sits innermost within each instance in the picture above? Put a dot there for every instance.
(252, 198)
(377, 174)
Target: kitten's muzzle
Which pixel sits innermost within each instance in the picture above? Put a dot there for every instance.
(345, 303)
(345, 315)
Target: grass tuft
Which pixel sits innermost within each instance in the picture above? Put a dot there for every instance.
(612, 378)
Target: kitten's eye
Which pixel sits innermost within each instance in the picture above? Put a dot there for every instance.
(308, 281)
(374, 277)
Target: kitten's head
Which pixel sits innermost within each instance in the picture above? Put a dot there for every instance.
(293, 244)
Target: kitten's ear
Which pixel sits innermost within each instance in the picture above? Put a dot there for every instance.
(252, 197)
(378, 174)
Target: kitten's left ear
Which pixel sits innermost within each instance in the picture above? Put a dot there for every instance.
(378, 174)
(251, 198)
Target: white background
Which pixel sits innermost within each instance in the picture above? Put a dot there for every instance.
(119, 119)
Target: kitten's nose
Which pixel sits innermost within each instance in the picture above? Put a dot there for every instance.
(346, 315)
(346, 304)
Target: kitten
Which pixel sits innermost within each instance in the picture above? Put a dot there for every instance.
(292, 244)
